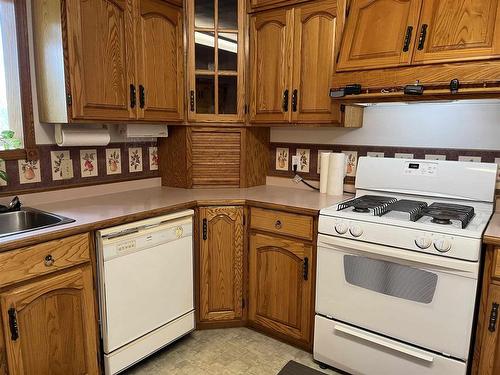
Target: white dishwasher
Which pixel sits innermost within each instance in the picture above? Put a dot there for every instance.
(145, 287)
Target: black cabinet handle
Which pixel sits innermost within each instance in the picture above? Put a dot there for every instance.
(205, 230)
(191, 100)
(423, 35)
(295, 95)
(305, 269)
(133, 98)
(493, 317)
(142, 97)
(14, 330)
(409, 31)
(285, 101)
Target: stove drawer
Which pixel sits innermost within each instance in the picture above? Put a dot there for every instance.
(361, 352)
(286, 223)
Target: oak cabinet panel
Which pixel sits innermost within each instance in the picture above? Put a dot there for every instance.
(270, 59)
(313, 63)
(221, 263)
(280, 285)
(100, 58)
(490, 353)
(376, 33)
(56, 329)
(160, 61)
(458, 30)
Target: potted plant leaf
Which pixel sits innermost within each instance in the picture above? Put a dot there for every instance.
(8, 142)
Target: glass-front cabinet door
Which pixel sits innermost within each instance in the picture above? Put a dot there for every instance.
(215, 60)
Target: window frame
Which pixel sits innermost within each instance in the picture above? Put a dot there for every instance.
(193, 116)
(30, 151)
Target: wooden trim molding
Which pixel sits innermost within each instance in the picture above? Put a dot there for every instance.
(29, 152)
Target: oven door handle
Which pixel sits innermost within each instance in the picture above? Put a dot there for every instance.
(456, 266)
(386, 344)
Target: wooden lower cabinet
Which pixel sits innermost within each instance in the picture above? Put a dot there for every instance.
(221, 245)
(49, 325)
(280, 286)
(487, 348)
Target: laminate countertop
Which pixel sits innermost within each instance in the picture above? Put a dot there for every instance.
(101, 211)
(492, 233)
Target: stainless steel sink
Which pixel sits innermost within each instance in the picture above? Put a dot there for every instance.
(28, 219)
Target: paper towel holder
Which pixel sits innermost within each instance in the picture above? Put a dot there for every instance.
(59, 137)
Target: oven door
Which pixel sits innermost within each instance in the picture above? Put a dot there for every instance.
(425, 300)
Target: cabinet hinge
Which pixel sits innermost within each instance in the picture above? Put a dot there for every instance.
(69, 99)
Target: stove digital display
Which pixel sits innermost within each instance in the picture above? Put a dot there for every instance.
(414, 166)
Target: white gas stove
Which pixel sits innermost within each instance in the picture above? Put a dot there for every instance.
(398, 266)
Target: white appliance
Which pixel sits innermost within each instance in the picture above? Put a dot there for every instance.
(146, 287)
(398, 267)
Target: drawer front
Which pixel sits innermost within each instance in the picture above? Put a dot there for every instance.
(29, 262)
(289, 224)
(496, 264)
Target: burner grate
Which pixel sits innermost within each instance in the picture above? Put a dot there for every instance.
(364, 204)
(413, 208)
(444, 213)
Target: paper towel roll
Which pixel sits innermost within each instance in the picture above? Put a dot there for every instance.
(81, 136)
(323, 178)
(336, 174)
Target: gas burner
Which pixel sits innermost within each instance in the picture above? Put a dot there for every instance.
(445, 213)
(365, 203)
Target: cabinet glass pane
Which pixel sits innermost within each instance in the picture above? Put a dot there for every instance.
(204, 13)
(228, 51)
(204, 50)
(228, 94)
(205, 94)
(228, 14)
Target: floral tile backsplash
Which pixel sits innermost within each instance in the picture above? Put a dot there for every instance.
(79, 166)
(310, 155)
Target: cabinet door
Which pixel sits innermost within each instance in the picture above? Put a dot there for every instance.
(313, 63)
(379, 33)
(160, 61)
(101, 61)
(458, 30)
(270, 66)
(280, 285)
(56, 325)
(490, 349)
(221, 263)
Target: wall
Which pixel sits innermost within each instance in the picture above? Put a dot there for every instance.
(463, 125)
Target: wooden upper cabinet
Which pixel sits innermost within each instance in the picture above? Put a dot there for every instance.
(216, 60)
(379, 34)
(280, 285)
(56, 325)
(160, 61)
(458, 30)
(101, 61)
(221, 263)
(270, 62)
(313, 63)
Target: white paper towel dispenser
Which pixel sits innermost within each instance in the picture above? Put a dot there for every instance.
(144, 130)
(80, 136)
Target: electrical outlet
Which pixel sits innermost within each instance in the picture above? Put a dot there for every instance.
(295, 162)
(66, 169)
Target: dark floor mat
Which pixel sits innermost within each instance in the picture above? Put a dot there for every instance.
(294, 368)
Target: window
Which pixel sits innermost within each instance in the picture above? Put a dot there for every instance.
(16, 129)
(215, 61)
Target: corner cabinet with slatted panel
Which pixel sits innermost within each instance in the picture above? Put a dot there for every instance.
(108, 60)
(220, 264)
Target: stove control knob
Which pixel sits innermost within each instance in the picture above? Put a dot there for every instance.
(442, 245)
(356, 230)
(341, 228)
(423, 242)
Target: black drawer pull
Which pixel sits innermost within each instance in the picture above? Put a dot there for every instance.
(409, 31)
(285, 101)
(14, 329)
(493, 317)
(305, 269)
(423, 35)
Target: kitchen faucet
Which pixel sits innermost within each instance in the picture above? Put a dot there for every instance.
(14, 205)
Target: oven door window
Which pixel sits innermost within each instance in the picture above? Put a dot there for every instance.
(391, 279)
